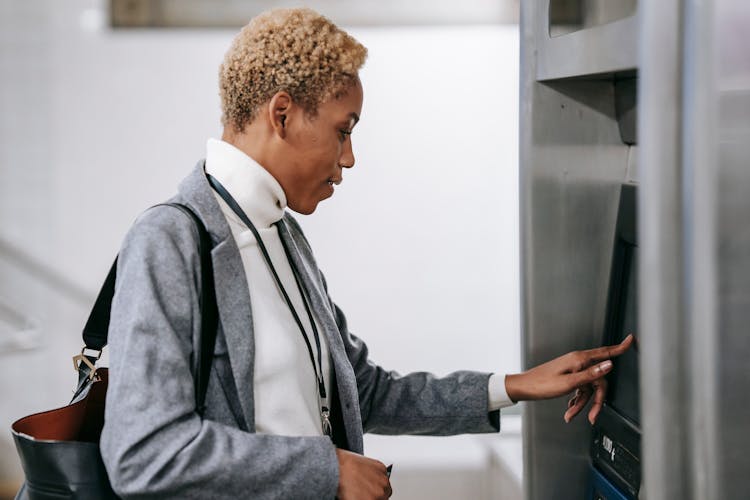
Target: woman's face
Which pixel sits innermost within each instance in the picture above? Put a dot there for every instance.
(319, 148)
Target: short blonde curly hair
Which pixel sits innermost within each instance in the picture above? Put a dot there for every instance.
(295, 50)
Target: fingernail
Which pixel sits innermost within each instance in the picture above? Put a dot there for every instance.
(605, 366)
(566, 418)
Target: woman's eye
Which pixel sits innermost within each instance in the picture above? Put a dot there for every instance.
(343, 134)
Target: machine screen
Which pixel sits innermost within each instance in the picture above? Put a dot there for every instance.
(623, 391)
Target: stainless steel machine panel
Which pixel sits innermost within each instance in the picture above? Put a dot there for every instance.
(692, 116)
(573, 161)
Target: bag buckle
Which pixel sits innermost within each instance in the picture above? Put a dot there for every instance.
(84, 358)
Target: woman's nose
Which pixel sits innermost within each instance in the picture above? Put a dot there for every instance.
(347, 154)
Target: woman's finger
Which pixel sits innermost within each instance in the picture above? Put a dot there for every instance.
(590, 374)
(600, 392)
(584, 394)
(574, 399)
(609, 351)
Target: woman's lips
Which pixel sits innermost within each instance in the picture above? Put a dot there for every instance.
(331, 182)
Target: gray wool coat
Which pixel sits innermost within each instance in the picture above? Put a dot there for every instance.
(155, 445)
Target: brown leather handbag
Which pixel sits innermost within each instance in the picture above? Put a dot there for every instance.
(59, 449)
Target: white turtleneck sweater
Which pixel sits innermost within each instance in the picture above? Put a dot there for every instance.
(285, 387)
(284, 384)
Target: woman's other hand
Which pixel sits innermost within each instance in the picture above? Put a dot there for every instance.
(362, 477)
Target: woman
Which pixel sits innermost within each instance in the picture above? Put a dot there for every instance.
(291, 390)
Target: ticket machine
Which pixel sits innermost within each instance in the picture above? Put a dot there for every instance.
(654, 94)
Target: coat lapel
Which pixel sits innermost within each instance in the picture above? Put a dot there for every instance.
(345, 379)
(232, 294)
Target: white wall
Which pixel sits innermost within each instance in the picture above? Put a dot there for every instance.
(419, 244)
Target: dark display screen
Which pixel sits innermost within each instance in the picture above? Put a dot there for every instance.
(616, 440)
(623, 391)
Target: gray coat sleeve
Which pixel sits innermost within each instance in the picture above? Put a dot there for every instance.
(154, 444)
(417, 403)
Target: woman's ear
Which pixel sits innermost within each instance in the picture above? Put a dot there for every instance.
(278, 110)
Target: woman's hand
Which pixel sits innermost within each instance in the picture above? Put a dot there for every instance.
(583, 371)
(361, 477)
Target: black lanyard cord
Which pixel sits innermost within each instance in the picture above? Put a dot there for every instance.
(322, 387)
(241, 214)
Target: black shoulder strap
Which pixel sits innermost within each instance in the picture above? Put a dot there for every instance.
(97, 326)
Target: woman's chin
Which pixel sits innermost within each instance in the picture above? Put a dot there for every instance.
(304, 208)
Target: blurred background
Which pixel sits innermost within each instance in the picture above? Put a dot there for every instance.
(106, 105)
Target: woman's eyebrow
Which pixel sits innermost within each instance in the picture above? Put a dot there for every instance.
(350, 121)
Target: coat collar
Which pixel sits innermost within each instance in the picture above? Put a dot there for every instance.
(196, 193)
